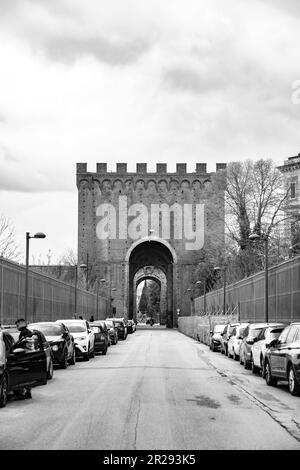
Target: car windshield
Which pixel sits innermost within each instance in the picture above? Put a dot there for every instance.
(219, 328)
(240, 331)
(119, 323)
(255, 332)
(274, 334)
(95, 329)
(76, 327)
(48, 330)
(109, 324)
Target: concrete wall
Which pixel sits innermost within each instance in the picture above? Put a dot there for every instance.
(49, 298)
(199, 327)
(246, 297)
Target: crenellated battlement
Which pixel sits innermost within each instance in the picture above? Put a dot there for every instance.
(141, 168)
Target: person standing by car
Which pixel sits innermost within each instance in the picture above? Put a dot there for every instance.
(24, 333)
(22, 328)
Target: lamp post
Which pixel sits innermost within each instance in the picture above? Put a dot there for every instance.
(28, 237)
(265, 239)
(223, 270)
(82, 266)
(204, 293)
(191, 300)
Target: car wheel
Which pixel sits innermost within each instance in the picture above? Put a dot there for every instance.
(254, 368)
(92, 353)
(3, 391)
(294, 387)
(50, 370)
(235, 356)
(64, 362)
(247, 364)
(270, 380)
(86, 357)
(226, 351)
(262, 368)
(104, 351)
(73, 358)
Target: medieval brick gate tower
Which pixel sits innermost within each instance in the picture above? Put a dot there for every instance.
(142, 225)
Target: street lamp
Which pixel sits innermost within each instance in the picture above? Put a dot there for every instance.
(82, 266)
(28, 237)
(191, 300)
(204, 293)
(223, 270)
(265, 239)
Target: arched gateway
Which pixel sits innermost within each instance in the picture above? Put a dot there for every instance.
(130, 223)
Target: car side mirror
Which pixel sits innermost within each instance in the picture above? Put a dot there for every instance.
(250, 341)
(64, 335)
(89, 331)
(211, 332)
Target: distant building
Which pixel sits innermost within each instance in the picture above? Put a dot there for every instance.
(291, 172)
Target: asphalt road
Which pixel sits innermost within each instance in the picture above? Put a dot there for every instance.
(156, 390)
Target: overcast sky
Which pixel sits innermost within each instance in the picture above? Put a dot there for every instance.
(136, 81)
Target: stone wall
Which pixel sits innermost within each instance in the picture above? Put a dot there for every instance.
(107, 256)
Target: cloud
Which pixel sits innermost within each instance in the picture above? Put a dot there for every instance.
(112, 52)
(131, 80)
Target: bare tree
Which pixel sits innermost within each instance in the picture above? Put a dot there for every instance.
(69, 258)
(8, 245)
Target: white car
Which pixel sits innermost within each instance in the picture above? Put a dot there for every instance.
(259, 347)
(84, 337)
(235, 340)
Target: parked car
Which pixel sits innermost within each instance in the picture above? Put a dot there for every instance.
(131, 326)
(235, 340)
(259, 347)
(112, 331)
(22, 364)
(225, 336)
(101, 336)
(250, 336)
(83, 337)
(60, 340)
(282, 359)
(120, 323)
(15, 333)
(215, 337)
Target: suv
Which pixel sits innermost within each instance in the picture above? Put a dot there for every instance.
(120, 323)
(84, 338)
(215, 337)
(225, 336)
(259, 347)
(282, 359)
(250, 336)
(101, 336)
(235, 340)
(112, 331)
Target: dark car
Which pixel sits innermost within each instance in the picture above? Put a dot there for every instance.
(250, 336)
(215, 337)
(101, 336)
(60, 341)
(112, 331)
(120, 323)
(15, 333)
(282, 359)
(225, 337)
(131, 327)
(22, 364)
